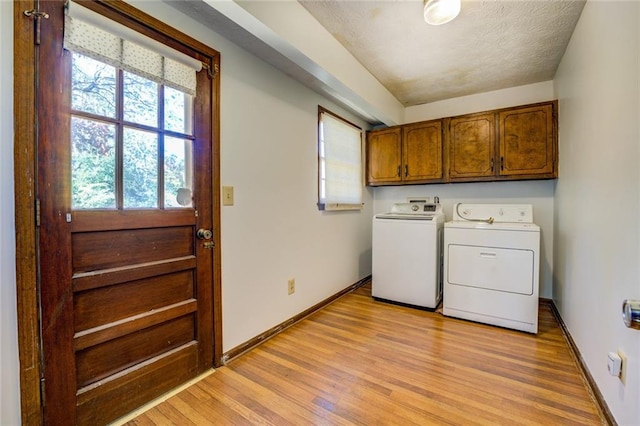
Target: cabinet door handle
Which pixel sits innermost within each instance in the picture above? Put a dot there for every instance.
(406, 170)
(399, 175)
(492, 164)
(501, 163)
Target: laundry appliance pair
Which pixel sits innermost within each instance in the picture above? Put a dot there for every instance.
(484, 264)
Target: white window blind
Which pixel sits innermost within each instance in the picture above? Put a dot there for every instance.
(105, 40)
(340, 164)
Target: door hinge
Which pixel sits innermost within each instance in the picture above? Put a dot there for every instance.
(37, 16)
(42, 392)
(37, 212)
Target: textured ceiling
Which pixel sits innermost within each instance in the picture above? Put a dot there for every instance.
(491, 45)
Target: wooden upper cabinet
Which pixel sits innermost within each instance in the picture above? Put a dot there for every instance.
(384, 156)
(405, 154)
(503, 144)
(527, 141)
(422, 151)
(471, 146)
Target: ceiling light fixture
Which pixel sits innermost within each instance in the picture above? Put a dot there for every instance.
(438, 12)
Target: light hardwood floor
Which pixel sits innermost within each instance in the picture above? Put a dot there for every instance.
(369, 363)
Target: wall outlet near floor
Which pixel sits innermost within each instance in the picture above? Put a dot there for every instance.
(291, 285)
(623, 367)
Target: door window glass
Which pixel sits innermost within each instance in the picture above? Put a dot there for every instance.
(140, 100)
(132, 140)
(140, 169)
(93, 87)
(177, 111)
(177, 182)
(93, 164)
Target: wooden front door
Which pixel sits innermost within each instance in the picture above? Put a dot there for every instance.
(127, 265)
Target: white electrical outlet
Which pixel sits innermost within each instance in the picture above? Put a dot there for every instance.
(291, 286)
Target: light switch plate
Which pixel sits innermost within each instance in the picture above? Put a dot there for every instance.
(227, 195)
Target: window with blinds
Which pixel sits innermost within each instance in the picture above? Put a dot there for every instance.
(339, 163)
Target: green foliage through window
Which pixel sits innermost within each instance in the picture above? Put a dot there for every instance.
(125, 152)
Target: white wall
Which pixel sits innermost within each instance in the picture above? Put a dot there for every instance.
(274, 231)
(290, 29)
(513, 96)
(10, 388)
(539, 192)
(597, 196)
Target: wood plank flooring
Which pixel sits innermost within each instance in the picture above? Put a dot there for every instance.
(361, 362)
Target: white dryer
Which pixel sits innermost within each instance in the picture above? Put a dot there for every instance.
(407, 255)
(491, 265)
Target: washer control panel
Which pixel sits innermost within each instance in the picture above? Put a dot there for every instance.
(416, 208)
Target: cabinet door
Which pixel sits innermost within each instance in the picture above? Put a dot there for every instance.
(471, 146)
(527, 144)
(384, 155)
(422, 151)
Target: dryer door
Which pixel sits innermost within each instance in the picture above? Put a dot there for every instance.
(500, 269)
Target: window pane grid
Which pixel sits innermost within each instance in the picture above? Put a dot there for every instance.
(145, 166)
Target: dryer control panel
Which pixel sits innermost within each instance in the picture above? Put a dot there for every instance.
(513, 213)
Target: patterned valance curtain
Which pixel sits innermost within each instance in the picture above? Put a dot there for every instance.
(100, 38)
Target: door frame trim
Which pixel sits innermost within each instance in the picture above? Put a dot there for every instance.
(24, 113)
(25, 178)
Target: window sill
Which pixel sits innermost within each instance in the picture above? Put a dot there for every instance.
(339, 207)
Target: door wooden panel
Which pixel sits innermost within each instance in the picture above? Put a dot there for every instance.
(126, 295)
(103, 360)
(422, 151)
(123, 393)
(112, 303)
(112, 249)
(472, 146)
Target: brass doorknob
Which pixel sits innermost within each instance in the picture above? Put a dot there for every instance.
(204, 234)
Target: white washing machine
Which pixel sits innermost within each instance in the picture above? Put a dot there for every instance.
(491, 265)
(407, 255)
